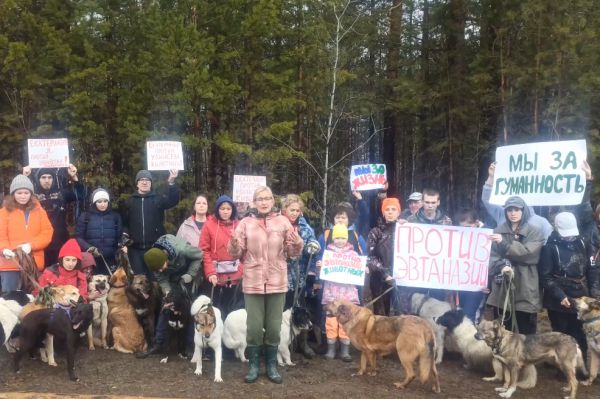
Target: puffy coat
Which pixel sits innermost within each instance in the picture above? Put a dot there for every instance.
(263, 243)
(307, 233)
(58, 275)
(380, 247)
(183, 259)
(101, 230)
(15, 229)
(189, 231)
(523, 251)
(213, 242)
(144, 216)
(567, 272)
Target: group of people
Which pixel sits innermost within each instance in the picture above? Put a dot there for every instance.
(269, 258)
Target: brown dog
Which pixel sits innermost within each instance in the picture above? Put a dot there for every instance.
(63, 295)
(588, 311)
(127, 333)
(411, 337)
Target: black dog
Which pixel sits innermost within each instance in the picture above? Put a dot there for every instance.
(64, 324)
(143, 296)
(177, 304)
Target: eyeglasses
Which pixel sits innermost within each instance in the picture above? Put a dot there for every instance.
(263, 199)
(144, 180)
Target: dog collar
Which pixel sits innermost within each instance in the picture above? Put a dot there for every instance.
(591, 320)
(66, 309)
(118, 286)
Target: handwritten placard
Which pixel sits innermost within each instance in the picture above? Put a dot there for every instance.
(244, 186)
(164, 155)
(547, 173)
(48, 153)
(446, 257)
(367, 177)
(345, 268)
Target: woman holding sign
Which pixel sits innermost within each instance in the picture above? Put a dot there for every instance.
(513, 271)
(263, 241)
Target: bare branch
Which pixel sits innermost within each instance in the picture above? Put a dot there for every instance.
(299, 155)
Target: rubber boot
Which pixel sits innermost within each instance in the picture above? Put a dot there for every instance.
(155, 349)
(254, 363)
(345, 350)
(303, 344)
(331, 344)
(271, 358)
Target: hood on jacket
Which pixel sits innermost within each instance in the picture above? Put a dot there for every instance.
(220, 201)
(517, 202)
(46, 171)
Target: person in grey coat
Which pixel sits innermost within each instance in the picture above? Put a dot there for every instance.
(516, 248)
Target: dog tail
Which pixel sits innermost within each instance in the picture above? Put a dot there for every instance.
(527, 377)
(427, 358)
(201, 302)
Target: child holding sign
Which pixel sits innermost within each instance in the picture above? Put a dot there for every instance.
(336, 291)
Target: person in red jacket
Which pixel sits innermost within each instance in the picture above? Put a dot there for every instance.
(221, 271)
(67, 271)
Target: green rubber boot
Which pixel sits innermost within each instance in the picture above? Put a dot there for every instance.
(254, 362)
(271, 357)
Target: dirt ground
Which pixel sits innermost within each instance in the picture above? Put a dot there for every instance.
(105, 373)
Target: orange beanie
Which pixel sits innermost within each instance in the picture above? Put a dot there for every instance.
(390, 202)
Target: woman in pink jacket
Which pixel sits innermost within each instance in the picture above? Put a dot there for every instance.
(263, 241)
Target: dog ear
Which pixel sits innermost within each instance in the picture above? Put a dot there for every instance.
(210, 311)
(496, 324)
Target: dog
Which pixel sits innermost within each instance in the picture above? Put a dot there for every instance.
(515, 350)
(234, 333)
(63, 323)
(144, 297)
(177, 305)
(63, 295)
(11, 305)
(476, 353)
(299, 318)
(429, 309)
(127, 333)
(98, 288)
(209, 332)
(411, 337)
(588, 311)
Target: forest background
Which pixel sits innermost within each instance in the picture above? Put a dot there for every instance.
(298, 90)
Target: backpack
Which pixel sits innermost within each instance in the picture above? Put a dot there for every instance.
(355, 242)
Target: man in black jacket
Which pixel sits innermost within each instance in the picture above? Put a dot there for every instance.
(144, 217)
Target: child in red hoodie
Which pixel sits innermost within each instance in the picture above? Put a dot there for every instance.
(67, 271)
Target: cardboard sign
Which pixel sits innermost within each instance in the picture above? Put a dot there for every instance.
(164, 155)
(244, 186)
(48, 153)
(343, 268)
(447, 257)
(367, 177)
(546, 174)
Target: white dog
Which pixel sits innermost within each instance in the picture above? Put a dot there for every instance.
(10, 307)
(430, 309)
(98, 289)
(209, 332)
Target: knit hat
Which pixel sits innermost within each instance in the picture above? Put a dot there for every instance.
(19, 182)
(100, 194)
(70, 248)
(416, 196)
(390, 201)
(339, 231)
(566, 224)
(155, 259)
(87, 260)
(143, 174)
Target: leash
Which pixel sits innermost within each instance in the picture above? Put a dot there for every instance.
(508, 285)
(22, 269)
(371, 302)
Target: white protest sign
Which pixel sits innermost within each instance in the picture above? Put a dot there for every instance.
(447, 257)
(344, 268)
(244, 186)
(164, 155)
(367, 177)
(546, 174)
(48, 153)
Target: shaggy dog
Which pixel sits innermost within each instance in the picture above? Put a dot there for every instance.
(143, 295)
(176, 306)
(209, 331)
(588, 311)
(410, 337)
(98, 289)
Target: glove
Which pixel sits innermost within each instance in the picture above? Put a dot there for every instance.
(94, 251)
(8, 254)
(26, 248)
(186, 278)
(313, 247)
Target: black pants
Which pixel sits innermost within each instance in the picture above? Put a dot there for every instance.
(567, 323)
(526, 322)
(225, 298)
(136, 258)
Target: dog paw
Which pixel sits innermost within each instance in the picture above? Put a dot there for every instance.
(92, 348)
(198, 372)
(164, 360)
(53, 364)
(586, 383)
(489, 379)
(358, 373)
(566, 389)
(291, 364)
(500, 389)
(399, 385)
(218, 379)
(505, 394)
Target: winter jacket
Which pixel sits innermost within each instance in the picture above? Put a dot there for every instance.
(307, 233)
(439, 218)
(144, 216)
(213, 242)
(380, 249)
(336, 291)
(189, 231)
(101, 230)
(567, 272)
(16, 229)
(522, 250)
(58, 275)
(263, 243)
(183, 258)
